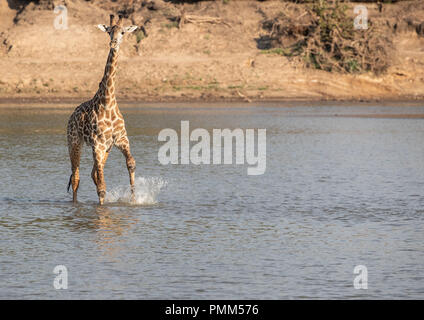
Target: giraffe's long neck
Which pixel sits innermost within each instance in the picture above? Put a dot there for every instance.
(106, 92)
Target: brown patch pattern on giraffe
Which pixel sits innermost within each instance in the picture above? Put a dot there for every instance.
(99, 123)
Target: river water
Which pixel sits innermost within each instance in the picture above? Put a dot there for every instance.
(343, 186)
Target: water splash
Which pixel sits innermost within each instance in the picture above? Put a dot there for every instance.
(146, 191)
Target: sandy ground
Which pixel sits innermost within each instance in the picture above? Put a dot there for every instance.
(197, 62)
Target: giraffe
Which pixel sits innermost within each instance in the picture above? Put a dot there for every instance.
(99, 123)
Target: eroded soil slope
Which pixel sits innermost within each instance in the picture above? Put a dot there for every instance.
(188, 51)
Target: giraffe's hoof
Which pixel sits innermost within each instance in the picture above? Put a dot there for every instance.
(132, 194)
(102, 195)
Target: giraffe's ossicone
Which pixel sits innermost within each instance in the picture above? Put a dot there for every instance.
(99, 123)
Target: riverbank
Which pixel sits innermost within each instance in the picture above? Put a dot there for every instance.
(71, 103)
(194, 62)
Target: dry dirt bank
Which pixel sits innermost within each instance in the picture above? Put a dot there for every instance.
(206, 61)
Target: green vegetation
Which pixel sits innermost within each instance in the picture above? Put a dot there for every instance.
(210, 86)
(325, 38)
(139, 34)
(173, 24)
(279, 51)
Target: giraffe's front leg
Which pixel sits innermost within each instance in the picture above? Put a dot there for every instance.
(94, 171)
(123, 144)
(75, 155)
(99, 156)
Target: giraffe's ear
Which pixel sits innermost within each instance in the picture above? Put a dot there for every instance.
(103, 27)
(130, 28)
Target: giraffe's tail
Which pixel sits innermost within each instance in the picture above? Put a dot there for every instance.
(70, 182)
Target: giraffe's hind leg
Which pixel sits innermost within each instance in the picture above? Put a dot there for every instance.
(123, 144)
(75, 156)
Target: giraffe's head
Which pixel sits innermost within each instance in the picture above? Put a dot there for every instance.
(116, 31)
